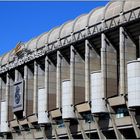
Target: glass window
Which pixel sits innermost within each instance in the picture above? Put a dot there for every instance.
(60, 123)
(87, 116)
(121, 112)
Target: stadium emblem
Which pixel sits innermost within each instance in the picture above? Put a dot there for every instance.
(17, 95)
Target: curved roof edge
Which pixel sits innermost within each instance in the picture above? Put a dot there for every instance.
(35, 41)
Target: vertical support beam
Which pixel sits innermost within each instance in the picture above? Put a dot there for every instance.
(108, 68)
(0, 91)
(35, 86)
(16, 75)
(139, 47)
(46, 80)
(72, 70)
(4, 107)
(16, 79)
(25, 88)
(6, 94)
(72, 84)
(104, 65)
(58, 80)
(7, 86)
(87, 71)
(127, 53)
(122, 62)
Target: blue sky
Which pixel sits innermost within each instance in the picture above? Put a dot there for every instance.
(21, 21)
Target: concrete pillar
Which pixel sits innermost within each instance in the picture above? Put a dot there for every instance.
(25, 88)
(4, 108)
(16, 75)
(122, 62)
(35, 87)
(46, 81)
(0, 84)
(92, 63)
(108, 68)
(103, 65)
(16, 79)
(3, 88)
(127, 53)
(58, 80)
(139, 46)
(72, 71)
(7, 92)
(87, 71)
(10, 100)
(0, 93)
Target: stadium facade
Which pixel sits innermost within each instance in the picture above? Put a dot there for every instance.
(79, 80)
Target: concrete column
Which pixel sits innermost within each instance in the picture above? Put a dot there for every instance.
(0, 95)
(108, 68)
(104, 65)
(10, 100)
(7, 92)
(35, 87)
(46, 81)
(122, 62)
(87, 71)
(25, 88)
(0, 88)
(139, 46)
(16, 75)
(127, 53)
(72, 70)
(58, 80)
(16, 79)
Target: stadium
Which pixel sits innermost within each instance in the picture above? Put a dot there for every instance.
(80, 80)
